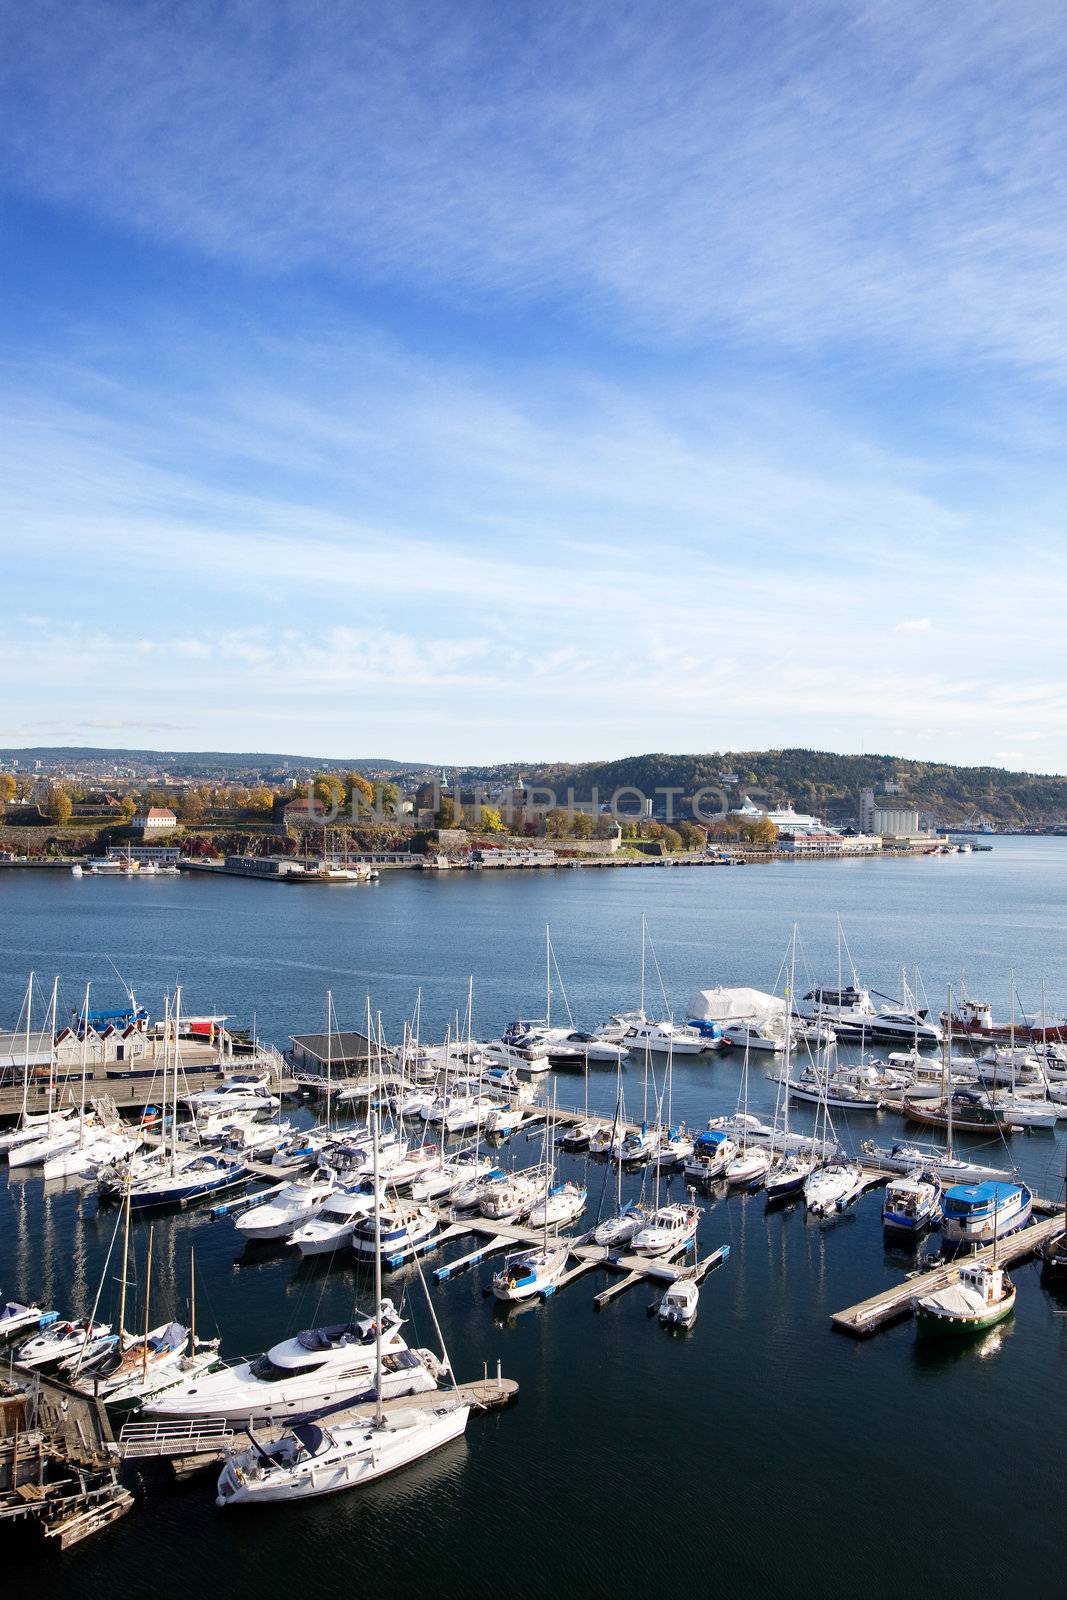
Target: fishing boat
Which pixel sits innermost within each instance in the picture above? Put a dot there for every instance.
(977, 1213)
(667, 1230)
(292, 1205)
(680, 1303)
(980, 1297)
(912, 1204)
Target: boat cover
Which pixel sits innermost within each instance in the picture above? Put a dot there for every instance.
(734, 1005)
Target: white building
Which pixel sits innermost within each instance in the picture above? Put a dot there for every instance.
(154, 821)
(899, 820)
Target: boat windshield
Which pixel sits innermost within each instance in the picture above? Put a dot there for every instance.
(267, 1372)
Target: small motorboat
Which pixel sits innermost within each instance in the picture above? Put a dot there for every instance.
(679, 1306)
(60, 1340)
(16, 1318)
(713, 1150)
(397, 1233)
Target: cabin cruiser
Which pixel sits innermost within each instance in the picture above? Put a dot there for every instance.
(318, 1367)
(713, 1150)
(333, 1226)
(978, 1213)
(754, 1036)
(912, 1204)
(853, 1017)
(295, 1203)
(616, 1030)
(397, 1233)
(666, 1038)
(667, 1230)
(562, 1044)
(680, 1303)
(238, 1091)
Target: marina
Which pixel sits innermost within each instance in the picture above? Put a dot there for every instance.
(845, 1273)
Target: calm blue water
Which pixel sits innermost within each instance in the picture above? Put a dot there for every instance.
(762, 1450)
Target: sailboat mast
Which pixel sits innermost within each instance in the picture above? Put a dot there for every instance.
(147, 1304)
(174, 1073)
(26, 1059)
(85, 1061)
(548, 977)
(379, 1414)
(51, 1025)
(192, 1302)
(948, 1078)
(125, 1266)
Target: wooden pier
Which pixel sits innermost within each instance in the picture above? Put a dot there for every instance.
(202, 1442)
(890, 1305)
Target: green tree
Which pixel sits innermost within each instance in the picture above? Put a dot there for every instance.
(556, 823)
(693, 837)
(128, 807)
(672, 839)
(329, 789)
(445, 815)
(359, 794)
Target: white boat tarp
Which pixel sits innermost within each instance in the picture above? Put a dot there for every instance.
(734, 1005)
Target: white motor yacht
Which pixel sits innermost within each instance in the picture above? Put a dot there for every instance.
(60, 1340)
(319, 1367)
(294, 1204)
(680, 1303)
(335, 1223)
(401, 1229)
(664, 1038)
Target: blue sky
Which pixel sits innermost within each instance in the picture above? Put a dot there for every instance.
(468, 383)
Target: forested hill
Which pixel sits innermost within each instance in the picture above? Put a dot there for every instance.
(818, 780)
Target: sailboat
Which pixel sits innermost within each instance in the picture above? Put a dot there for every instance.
(788, 1177)
(56, 1134)
(752, 1162)
(181, 1177)
(137, 1366)
(314, 1457)
(536, 1271)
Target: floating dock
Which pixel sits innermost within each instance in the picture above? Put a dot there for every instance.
(890, 1305)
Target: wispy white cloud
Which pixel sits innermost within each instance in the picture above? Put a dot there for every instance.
(805, 174)
(915, 625)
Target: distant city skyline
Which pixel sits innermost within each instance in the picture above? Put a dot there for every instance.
(551, 382)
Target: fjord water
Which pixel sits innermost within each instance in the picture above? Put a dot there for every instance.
(762, 1453)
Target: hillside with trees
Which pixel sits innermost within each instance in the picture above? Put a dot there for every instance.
(828, 784)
